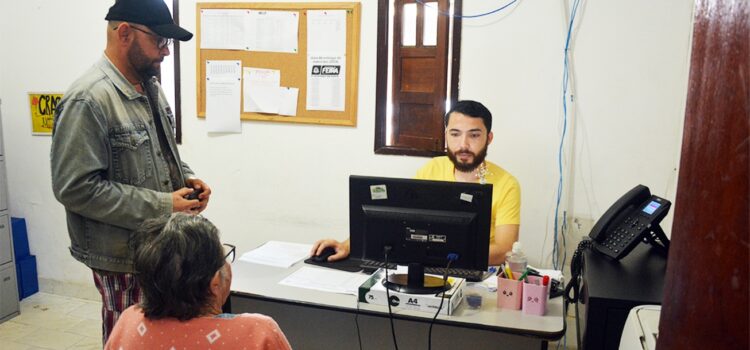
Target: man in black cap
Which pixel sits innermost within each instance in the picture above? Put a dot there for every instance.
(114, 158)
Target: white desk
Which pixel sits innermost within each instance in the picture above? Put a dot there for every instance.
(319, 320)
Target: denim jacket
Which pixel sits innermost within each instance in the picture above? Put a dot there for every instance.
(107, 166)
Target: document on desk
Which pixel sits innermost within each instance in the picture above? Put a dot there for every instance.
(326, 280)
(553, 274)
(279, 254)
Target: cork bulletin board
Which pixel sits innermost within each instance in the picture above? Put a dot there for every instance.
(292, 66)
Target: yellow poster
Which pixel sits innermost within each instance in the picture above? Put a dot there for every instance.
(42, 111)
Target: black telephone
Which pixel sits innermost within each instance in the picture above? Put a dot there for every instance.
(633, 218)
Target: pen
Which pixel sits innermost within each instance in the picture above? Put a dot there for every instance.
(533, 272)
(545, 280)
(524, 275)
(508, 272)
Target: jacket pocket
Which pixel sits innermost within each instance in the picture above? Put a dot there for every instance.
(131, 154)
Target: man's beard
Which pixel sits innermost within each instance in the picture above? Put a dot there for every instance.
(144, 67)
(478, 159)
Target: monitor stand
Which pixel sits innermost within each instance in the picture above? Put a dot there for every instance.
(415, 282)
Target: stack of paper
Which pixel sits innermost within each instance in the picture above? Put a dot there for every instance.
(275, 253)
(326, 280)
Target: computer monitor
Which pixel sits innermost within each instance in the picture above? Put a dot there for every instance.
(419, 223)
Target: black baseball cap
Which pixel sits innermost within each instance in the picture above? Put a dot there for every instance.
(153, 14)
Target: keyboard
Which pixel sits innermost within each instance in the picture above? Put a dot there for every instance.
(469, 275)
(370, 266)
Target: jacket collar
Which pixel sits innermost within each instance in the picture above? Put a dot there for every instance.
(118, 80)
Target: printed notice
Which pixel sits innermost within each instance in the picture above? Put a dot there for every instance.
(224, 29)
(326, 83)
(326, 32)
(273, 31)
(326, 59)
(223, 83)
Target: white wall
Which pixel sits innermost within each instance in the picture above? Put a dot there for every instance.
(629, 79)
(283, 181)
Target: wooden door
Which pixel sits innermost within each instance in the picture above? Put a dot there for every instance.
(705, 302)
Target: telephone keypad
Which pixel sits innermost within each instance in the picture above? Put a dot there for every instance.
(619, 238)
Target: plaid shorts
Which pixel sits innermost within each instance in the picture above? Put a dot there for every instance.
(119, 291)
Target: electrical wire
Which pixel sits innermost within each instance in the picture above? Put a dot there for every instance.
(574, 285)
(563, 234)
(467, 16)
(562, 343)
(356, 324)
(451, 257)
(440, 307)
(387, 250)
(565, 94)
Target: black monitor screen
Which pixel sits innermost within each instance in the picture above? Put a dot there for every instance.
(421, 221)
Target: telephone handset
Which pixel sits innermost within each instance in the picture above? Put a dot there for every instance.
(634, 217)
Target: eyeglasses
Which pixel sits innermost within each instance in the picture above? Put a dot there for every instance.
(229, 252)
(161, 42)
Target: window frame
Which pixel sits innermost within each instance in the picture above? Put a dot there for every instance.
(382, 101)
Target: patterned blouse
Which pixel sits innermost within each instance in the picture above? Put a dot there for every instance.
(225, 331)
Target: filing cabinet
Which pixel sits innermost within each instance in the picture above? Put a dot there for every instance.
(6, 246)
(8, 292)
(3, 183)
(9, 306)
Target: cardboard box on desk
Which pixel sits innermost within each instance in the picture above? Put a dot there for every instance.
(373, 292)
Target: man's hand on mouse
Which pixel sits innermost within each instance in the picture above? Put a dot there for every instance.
(342, 248)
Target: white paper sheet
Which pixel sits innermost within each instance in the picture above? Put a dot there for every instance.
(326, 280)
(223, 96)
(273, 31)
(288, 104)
(276, 253)
(326, 32)
(224, 29)
(326, 83)
(261, 93)
(553, 274)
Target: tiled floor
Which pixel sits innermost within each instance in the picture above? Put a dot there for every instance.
(49, 321)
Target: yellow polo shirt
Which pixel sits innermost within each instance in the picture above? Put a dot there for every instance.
(506, 192)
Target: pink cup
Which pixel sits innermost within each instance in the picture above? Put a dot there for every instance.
(509, 293)
(535, 296)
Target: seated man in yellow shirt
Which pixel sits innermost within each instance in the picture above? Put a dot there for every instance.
(468, 133)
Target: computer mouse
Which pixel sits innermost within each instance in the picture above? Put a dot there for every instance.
(323, 256)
